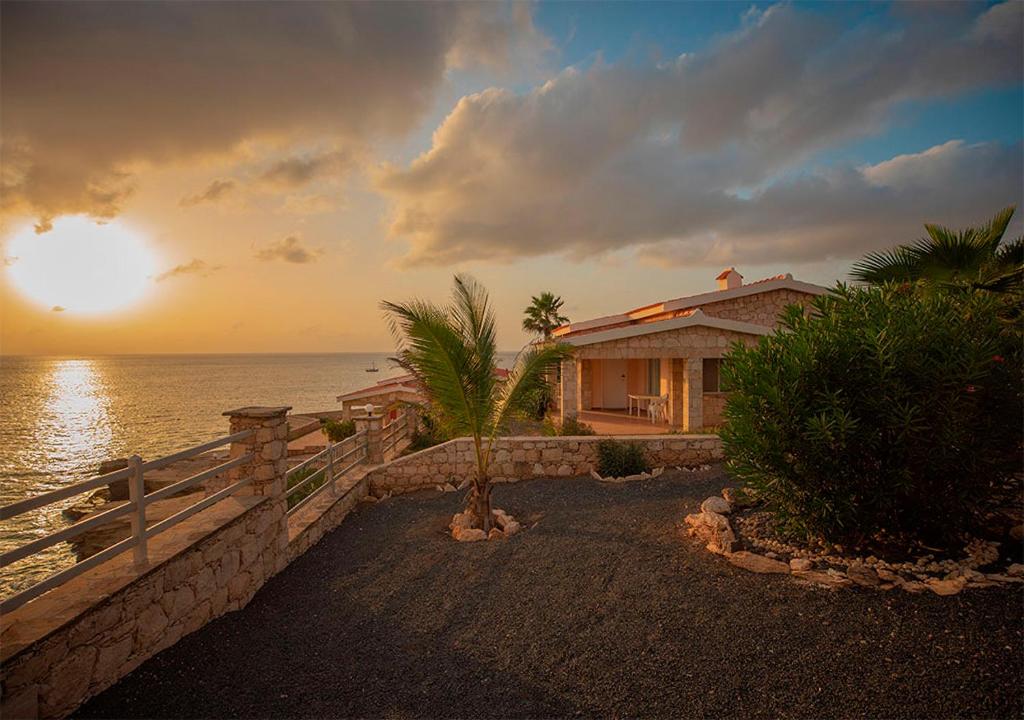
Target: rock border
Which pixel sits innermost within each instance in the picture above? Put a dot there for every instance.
(823, 569)
(462, 527)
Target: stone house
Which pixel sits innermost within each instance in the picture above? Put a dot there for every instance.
(671, 349)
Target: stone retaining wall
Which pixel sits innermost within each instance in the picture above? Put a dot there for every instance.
(524, 458)
(103, 624)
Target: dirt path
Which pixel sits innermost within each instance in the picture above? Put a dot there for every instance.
(602, 609)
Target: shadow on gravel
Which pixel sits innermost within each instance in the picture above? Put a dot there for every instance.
(603, 608)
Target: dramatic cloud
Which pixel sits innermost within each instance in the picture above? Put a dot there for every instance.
(290, 249)
(215, 191)
(294, 172)
(194, 267)
(685, 158)
(93, 91)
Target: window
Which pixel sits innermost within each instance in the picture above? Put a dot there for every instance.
(654, 377)
(712, 375)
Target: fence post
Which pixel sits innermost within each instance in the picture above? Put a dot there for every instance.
(330, 468)
(137, 495)
(373, 425)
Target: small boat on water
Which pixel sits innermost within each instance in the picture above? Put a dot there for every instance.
(372, 367)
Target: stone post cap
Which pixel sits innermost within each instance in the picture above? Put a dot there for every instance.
(256, 411)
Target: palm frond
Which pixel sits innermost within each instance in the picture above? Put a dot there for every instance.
(432, 350)
(527, 377)
(876, 268)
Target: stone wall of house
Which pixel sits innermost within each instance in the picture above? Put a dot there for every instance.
(761, 309)
(714, 407)
(695, 341)
(528, 457)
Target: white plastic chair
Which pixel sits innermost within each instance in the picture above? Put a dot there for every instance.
(658, 408)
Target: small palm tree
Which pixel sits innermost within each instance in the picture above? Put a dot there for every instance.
(542, 315)
(451, 350)
(973, 257)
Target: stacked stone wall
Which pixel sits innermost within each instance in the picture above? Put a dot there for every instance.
(528, 457)
(760, 309)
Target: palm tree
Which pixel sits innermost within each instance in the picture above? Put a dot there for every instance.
(451, 351)
(973, 257)
(542, 315)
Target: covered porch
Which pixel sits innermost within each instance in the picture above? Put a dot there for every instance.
(615, 375)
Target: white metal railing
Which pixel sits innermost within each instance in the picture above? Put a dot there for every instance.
(136, 506)
(326, 471)
(394, 432)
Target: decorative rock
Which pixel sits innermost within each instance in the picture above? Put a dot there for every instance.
(800, 565)
(946, 587)
(595, 474)
(758, 563)
(657, 471)
(512, 528)
(716, 504)
(862, 574)
(462, 521)
(448, 487)
(1016, 570)
(823, 578)
(913, 586)
(1017, 533)
(495, 534)
(468, 534)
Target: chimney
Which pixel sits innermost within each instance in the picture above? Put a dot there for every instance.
(729, 279)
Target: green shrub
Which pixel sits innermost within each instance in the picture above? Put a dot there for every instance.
(884, 409)
(426, 433)
(571, 426)
(303, 492)
(338, 430)
(618, 459)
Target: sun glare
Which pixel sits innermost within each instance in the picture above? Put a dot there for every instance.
(81, 267)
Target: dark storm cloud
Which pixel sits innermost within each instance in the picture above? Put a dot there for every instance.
(94, 90)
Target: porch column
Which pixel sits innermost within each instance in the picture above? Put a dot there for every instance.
(693, 395)
(569, 396)
(586, 385)
(676, 387)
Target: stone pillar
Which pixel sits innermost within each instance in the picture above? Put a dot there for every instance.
(586, 384)
(676, 391)
(569, 405)
(268, 445)
(373, 425)
(693, 395)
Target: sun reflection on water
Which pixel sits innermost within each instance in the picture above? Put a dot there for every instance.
(65, 417)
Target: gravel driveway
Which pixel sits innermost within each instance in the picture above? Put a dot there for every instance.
(603, 608)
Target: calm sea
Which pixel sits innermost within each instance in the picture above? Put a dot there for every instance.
(62, 416)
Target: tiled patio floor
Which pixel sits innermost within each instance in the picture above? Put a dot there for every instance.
(617, 422)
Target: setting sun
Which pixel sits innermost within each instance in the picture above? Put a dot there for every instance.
(81, 266)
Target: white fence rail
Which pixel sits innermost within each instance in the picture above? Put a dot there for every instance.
(394, 432)
(136, 506)
(331, 463)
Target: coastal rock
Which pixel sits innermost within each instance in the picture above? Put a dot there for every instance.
(716, 504)
(758, 563)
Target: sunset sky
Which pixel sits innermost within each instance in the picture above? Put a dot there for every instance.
(275, 170)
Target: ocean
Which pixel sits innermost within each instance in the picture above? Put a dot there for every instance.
(61, 417)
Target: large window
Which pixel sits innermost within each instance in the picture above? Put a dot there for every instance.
(654, 377)
(712, 375)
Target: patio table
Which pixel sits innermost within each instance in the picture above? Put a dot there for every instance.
(630, 399)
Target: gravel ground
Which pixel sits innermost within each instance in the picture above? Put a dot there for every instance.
(603, 608)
